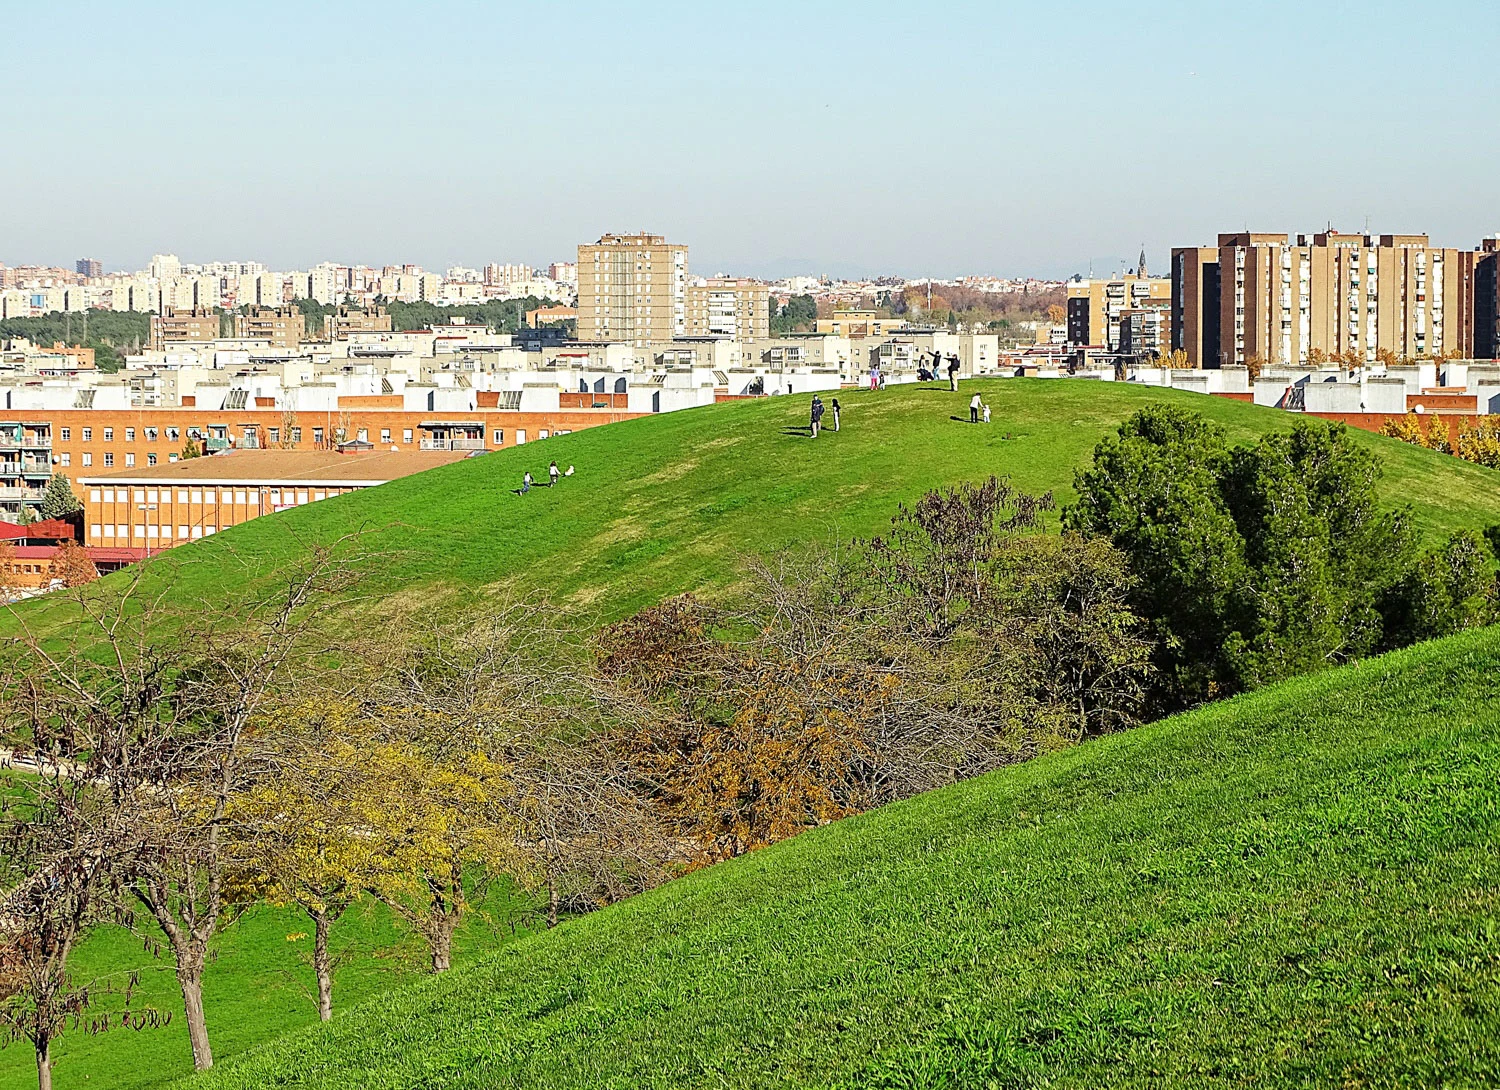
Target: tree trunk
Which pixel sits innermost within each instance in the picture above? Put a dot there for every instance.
(440, 939)
(44, 1065)
(322, 966)
(191, 979)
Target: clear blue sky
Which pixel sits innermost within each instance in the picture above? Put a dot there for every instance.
(771, 137)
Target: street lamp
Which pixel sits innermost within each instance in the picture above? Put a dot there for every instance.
(146, 525)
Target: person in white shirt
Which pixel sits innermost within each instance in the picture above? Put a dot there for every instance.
(974, 404)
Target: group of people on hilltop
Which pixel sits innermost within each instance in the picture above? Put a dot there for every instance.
(929, 372)
(818, 411)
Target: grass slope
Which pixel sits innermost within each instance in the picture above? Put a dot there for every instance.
(1296, 887)
(666, 503)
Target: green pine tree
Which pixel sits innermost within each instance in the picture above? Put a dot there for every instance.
(59, 501)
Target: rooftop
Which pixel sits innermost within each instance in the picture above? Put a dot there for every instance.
(286, 465)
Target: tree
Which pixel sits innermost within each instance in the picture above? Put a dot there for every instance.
(59, 502)
(55, 864)
(166, 725)
(1258, 562)
(73, 566)
(1057, 314)
(306, 830)
(191, 448)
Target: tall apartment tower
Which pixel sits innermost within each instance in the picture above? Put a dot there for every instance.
(727, 307)
(89, 266)
(632, 289)
(1096, 307)
(1487, 300)
(1350, 296)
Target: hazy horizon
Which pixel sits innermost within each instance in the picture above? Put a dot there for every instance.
(774, 140)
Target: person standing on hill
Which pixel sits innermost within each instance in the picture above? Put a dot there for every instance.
(553, 472)
(986, 412)
(817, 415)
(953, 373)
(974, 404)
(874, 376)
(835, 414)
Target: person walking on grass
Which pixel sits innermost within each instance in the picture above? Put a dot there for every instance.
(875, 376)
(817, 415)
(526, 482)
(835, 414)
(553, 472)
(974, 404)
(986, 412)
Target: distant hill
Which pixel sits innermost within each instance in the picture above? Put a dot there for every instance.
(668, 503)
(1293, 888)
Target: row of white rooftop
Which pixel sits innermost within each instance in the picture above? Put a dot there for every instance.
(447, 369)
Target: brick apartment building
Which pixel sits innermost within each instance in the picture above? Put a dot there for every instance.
(1285, 301)
(82, 441)
(159, 506)
(282, 326)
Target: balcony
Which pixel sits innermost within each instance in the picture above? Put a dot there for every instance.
(25, 495)
(460, 443)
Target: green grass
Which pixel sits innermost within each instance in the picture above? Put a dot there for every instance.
(256, 987)
(668, 503)
(659, 505)
(1295, 888)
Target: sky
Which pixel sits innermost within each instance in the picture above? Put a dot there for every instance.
(772, 138)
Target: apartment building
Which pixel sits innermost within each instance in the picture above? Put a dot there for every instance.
(283, 327)
(166, 505)
(1094, 307)
(346, 320)
(1282, 300)
(725, 307)
(173, 326)
(88, 267)
(856, 323)
(25, 465)
(83, 440)
(1487, 300)
(632, 289)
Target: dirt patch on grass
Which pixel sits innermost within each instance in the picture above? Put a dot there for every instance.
(669, 473)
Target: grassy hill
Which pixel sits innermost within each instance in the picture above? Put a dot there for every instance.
(657, 506)
(666, 503)
(1296, 887)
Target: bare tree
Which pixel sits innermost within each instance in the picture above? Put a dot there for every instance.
(161, 703)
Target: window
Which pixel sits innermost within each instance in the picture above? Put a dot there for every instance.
(151, 495)
(363, 435)
(150, 459)
(96, 531)
(94, 495)
(197, 495)
(197, 532)
(151, 435)
(65, 458)
(182, 531)
(301, 496)
(88, 435)
(109, 459)
(173, 434)
(129, 460)
(385, 435)
(319, 496)
(121, 530)
(296, 435)
(239, 496)
(65, 434)
(406, 435)
(130, 435)
(499, 437)
(318, 436)
(109, 435)
(273, 436)
(88, 458)
(182, 495)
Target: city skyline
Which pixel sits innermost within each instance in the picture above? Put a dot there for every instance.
(779, 140)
